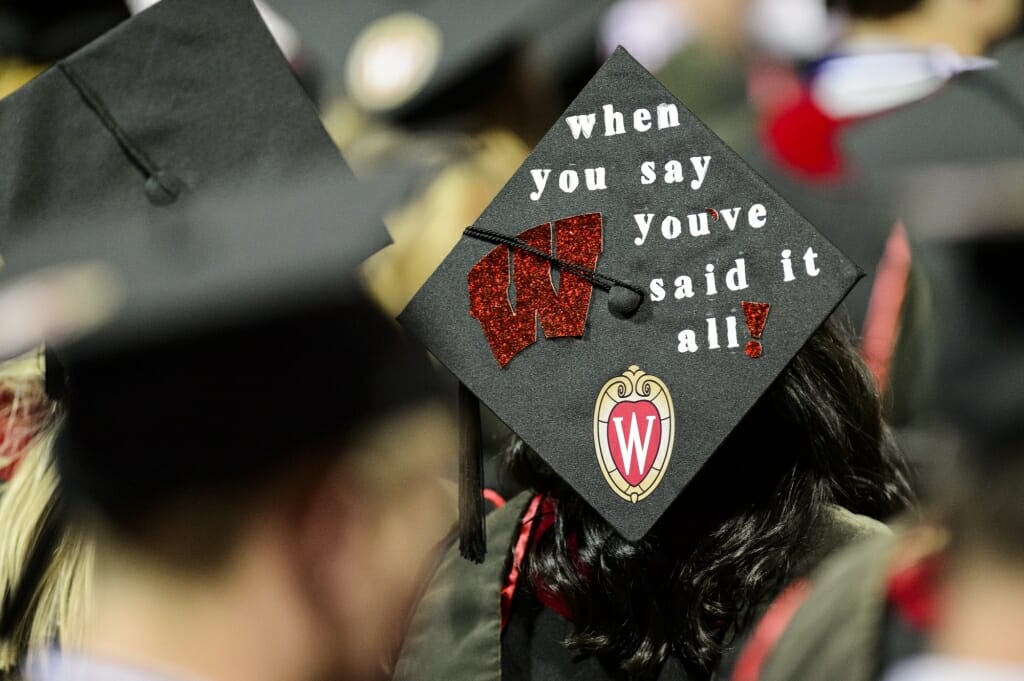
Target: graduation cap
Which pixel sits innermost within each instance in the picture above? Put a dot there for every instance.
(626, 299)
(181, 232)
(180, 229)
(391, 54)
(416, 58)
(239, 343)
(184, 98)
(967, 225)
(244, 337)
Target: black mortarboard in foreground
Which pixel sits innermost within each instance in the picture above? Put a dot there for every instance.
(967, 225)
(180, 230)
(628, 296)
(242, 339)
(186, 97)
(234, 342)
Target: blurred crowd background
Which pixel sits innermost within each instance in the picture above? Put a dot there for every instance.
(895, 126)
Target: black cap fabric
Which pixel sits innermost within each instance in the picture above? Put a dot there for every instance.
(682, 287)
(967, 225)
(186, 97)
(394, 57)
(208, 346)
(411, 53)
(94, 286)
(221, 406)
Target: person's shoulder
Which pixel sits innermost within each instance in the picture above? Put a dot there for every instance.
(831, 625)
(455, 628)
(833, 529)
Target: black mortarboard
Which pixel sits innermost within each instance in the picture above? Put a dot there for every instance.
(419, 59)
(237, 343)
(178, 226)
(707, 284)
(184, 98)
(967, 225)
(398, 58)
(241, 338)
(167, 183)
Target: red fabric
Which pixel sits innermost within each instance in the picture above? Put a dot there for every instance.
(806, 140)
(769, 630)
(492, 497)
(911, 590)
(518, 553)
(885, 307)
(537, 521)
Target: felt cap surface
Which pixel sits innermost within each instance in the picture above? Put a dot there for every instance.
(186, 97)
(121, 152)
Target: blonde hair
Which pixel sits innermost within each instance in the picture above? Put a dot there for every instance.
(56, 603)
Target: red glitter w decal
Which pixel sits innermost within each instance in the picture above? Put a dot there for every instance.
(563, 313)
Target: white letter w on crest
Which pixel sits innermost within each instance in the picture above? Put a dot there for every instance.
(634, 442)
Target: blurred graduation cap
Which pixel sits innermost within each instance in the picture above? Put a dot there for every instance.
(405, 60)
(625, 300)
(287, 38)
(185, 98)
(232, 342)
(966, 221)
(179, 229)
(243, 310)
(419, 60)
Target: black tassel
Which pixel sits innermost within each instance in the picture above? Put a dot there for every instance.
(472, 534)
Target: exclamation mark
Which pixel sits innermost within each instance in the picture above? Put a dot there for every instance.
(757, 317)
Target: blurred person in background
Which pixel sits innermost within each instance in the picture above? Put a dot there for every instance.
(976, 121)
(133, 144)
(728, 62)
(941, 599)
(891, 56)
(228, 552)
(971, 129)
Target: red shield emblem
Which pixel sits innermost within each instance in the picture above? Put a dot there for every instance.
(634, 428)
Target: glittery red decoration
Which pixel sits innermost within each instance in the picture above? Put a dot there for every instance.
(713, 213)
(757, 318)
(562, 314)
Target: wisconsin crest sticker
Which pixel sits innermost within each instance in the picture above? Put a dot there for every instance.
(634, 429)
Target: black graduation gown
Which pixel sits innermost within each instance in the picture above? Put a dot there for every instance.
(455, 631)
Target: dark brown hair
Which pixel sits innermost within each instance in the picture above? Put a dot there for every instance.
(730, 541)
